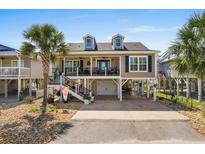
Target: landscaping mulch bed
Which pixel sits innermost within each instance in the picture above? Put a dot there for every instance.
(20, 125)
(196, 117)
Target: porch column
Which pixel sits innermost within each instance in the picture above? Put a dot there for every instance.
(91, 66)
(19, 65)
(177, 87)
(90, 87)
(30, 87)
(61, 84)
(85, 85)
(142, 87)
(187, 88)
(5, 88)
(120, 66)
(155, 90)
(120, 88)
(199, 89)
(64, 66)
(19, 88)
(148, 88)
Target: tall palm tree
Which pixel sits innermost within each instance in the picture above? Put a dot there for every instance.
(46, 41)
(189, 47)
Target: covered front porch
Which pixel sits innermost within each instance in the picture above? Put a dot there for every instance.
(88, 66)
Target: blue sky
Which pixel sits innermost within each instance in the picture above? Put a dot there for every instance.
(155, 28)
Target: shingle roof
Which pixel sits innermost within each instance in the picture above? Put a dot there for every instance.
(7, 50)
(128, 46)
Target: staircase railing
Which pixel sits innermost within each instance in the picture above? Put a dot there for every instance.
(72, 85)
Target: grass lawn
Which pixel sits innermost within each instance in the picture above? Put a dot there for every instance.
(25, 123)
(190, 103)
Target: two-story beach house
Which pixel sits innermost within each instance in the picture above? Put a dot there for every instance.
(112, 68)
(18, 73)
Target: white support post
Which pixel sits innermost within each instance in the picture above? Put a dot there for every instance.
(61, 83)
(177, 87)
(19, 65)
(156, 57)
(77, 71)
(148, 88)
(120, 65)
(120, 88)
(91, 87)
(76, 88)
(19, 87)
(85, 85)
(64, 66)
(187, 88)
(199, 90)
(142, 87)
(155, 90)
(5, 88)
(30, 87)
(91, 66)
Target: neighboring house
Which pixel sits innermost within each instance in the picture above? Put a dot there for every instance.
(109, 68)
(18, 73)
(166, 68)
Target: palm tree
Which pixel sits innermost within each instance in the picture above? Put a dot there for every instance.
(189, 48)
(46, 41)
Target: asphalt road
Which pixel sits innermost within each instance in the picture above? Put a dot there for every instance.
(129, 131)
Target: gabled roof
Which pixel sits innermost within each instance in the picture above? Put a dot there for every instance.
(128, 46)
(118, 35)
(88, 35)
(5, 50)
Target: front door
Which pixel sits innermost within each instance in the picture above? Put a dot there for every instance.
(101, 64)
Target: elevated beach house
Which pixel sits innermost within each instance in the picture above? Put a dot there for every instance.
(115, 69)
(18, 74)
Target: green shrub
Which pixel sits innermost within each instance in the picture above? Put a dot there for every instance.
(87, 97)
(202, 109)
(35, 110)
(29, 99)
(52, 108)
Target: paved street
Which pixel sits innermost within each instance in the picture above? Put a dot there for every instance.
(131, 121)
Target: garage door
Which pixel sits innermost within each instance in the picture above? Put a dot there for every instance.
(106, 87)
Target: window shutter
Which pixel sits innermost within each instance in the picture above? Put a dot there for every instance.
(149, 63)
(126, 63)
(81, 63)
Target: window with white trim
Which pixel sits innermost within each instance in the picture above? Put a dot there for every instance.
(71, 65)
(15, 63)
(88, 43)
(118, 42)
(138, 64)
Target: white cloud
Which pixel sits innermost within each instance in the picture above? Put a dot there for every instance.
(145, 28)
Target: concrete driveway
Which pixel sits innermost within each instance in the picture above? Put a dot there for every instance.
(131, 121)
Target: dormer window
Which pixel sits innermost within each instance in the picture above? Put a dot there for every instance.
(117, 42)
(88, 43)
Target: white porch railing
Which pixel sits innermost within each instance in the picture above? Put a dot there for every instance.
(14, 71)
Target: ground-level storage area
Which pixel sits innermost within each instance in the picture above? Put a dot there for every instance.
(116, 87)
